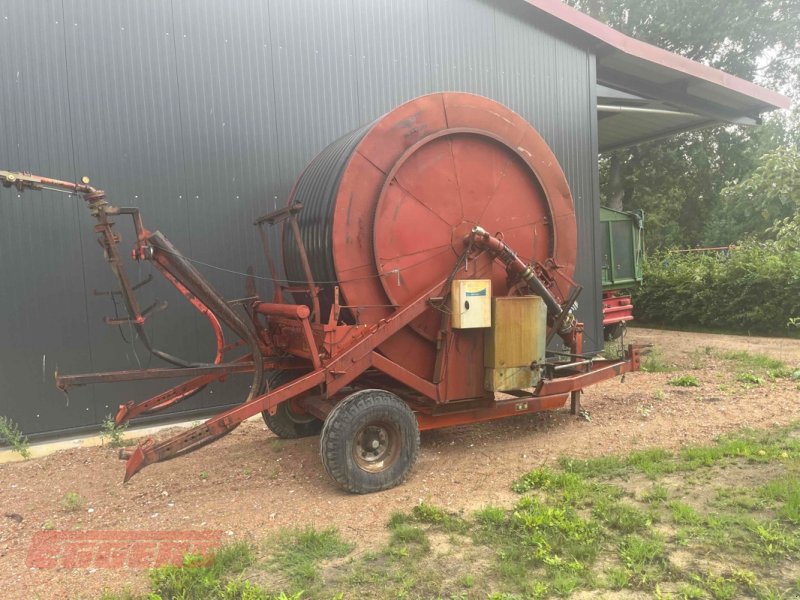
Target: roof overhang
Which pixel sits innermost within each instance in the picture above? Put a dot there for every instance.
(646, 92)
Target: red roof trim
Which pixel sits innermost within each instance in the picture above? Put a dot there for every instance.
(653, 54)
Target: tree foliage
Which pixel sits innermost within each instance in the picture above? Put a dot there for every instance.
(678, 182)
(754, 39)
(771, 193)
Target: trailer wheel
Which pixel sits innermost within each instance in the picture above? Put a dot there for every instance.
(287, 422)
(369, 441)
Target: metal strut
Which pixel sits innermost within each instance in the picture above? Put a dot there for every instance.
(178, 271)
(563, 320)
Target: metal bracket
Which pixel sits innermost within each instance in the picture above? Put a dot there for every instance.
(155, 307)
(142, 283)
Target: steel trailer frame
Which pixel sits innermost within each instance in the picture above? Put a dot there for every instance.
(329, 357)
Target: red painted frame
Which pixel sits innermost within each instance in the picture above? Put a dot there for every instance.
(330, 356)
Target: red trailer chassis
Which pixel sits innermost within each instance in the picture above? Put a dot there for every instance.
(329, 359)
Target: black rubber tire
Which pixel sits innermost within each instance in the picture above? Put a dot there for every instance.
(357, 417)
(285, 423)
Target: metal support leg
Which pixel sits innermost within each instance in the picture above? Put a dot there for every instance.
(575, 402)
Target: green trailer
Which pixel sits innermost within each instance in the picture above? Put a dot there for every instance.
(623, 255)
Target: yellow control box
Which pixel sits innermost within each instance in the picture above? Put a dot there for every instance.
(471, 303)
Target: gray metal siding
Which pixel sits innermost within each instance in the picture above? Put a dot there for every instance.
(203, 114)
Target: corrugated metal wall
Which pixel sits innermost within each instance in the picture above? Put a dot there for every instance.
(203, 114)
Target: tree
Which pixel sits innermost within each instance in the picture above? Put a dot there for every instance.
(771, 193)
(677, 182)
(754, 39)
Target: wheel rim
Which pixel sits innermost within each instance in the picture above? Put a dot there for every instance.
(376, 446)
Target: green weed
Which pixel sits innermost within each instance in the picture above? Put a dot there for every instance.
(398, 518)
(490, 516)
(744, 577)
(617, 578)
(72, 501)
(205, 576)
(687, 591)
(642, 555)
(571, 486)
(216, 576)
(654, 362)
(433, 515)
(721, 588)
(556, 535)
(113, 433)
(564, 584)
(749, 378)
(10, 435)
(684, 381)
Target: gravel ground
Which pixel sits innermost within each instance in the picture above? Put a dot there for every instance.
(249, 484)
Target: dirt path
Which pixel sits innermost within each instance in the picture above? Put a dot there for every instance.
(249, 484)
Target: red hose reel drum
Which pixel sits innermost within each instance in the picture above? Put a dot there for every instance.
(387, 208)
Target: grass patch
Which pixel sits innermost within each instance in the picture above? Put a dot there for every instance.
(651, 462)
(298, 553)
(654, 362)
(683, 514)
(433, 515)
(656, 495)
(202, 576)
(755, 369)
(490, 516)
(217, 576)
(785, 494)
(747, 444)
(747, 361)
(656, 523)
(643, 556)
(618, 578)
(621, 516)
(10, 435)
(684, 381)
(749, 378)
